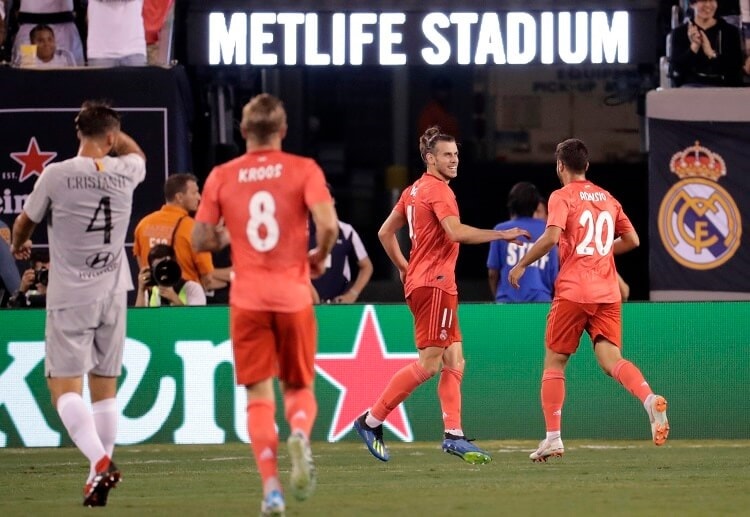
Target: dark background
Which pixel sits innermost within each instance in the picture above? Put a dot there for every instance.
(342, 116)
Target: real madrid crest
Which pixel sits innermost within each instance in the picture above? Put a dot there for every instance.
(699, 222)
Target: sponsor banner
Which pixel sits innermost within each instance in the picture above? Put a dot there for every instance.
(699, 202)
(178, 382)
(35, 131)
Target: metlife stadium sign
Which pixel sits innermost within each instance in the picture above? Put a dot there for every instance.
(286, 38)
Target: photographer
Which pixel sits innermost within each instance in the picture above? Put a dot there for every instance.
(32, 291)
(161, 283)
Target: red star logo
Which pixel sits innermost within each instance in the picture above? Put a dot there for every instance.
(361, 376)
(33, 160)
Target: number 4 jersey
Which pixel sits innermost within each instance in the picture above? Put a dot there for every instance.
(88, 203)
(264, 199)
(591, 220)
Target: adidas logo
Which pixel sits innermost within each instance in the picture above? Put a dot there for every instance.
(267, 454)
(558, 412)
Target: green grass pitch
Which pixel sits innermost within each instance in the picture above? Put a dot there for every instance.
(683, 478)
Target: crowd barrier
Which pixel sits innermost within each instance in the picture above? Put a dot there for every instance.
(178, 385)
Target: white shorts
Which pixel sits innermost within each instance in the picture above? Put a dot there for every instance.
(86, 338)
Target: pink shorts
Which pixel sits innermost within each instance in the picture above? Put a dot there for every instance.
(567, 320)
(435, 317)
(268, 344)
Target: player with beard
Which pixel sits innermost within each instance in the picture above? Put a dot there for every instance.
(428, 207)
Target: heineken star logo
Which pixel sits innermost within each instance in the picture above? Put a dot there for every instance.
(361, 376)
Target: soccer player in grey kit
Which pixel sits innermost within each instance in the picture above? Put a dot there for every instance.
(87, 201)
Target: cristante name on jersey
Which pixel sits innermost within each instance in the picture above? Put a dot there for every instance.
(96, 182)
(593, 196)
(265, 172)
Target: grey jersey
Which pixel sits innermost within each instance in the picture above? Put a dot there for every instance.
(88, 204)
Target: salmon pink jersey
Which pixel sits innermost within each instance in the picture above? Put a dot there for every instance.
(264, 199)
(432, 261)
(591, 219)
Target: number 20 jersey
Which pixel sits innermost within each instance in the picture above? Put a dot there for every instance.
(88, 204)
(591, 219)
(264, 199)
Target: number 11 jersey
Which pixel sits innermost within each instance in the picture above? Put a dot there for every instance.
(591, 219)
(264, 199)
(88, 203)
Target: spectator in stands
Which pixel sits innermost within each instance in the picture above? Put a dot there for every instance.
(32, 291)
(3, 32)
(47, 53)
(155, 15)
(59, 15)
(706, 50)
(160, 283)
(10, 280)
(173, 225)
(335, 284)
(116, 35)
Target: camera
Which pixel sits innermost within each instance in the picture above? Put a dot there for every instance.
(41, 276)
(165, 274)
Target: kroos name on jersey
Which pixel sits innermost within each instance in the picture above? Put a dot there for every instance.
(260, 173)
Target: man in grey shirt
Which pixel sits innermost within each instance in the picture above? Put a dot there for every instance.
(87, 201)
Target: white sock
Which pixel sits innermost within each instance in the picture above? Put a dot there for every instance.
(372, 421)
(455, 432)
(79, 422)
(553, 435)
(105, 419)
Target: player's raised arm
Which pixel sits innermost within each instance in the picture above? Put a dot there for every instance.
(465, 234)
(124, 144)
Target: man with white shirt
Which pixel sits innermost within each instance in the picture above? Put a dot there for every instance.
(116, 35)
(87, 201)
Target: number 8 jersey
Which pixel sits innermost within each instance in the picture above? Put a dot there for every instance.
(264, 199)
(591, 219)
(88, 203)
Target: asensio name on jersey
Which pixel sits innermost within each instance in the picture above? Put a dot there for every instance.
(88, 203)
(591, 220)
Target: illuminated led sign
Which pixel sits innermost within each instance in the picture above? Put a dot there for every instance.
(408, 38)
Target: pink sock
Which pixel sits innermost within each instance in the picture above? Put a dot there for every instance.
(628, 374)
(300, 410)
(400, 386)
(261, 427)
(553, 396)
(449, 393)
